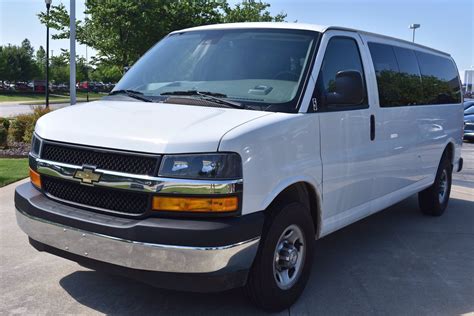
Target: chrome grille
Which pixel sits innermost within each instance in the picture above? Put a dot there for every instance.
(101, 159)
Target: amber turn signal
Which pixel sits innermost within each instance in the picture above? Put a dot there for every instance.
(35, 178)
(195, 204)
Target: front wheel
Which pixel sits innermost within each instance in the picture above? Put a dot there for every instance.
(434, 200)
(283, 262)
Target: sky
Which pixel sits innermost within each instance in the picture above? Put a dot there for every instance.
(446, 25)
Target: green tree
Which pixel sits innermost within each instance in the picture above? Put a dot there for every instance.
(41, 55)
(82, 69)
(26, 46)
(250, 11)
(40, 61)
(123, 30)
(106, 73)
(59, 67)
(17, 63)
(3, 65)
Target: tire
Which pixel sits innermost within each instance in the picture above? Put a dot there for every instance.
(276, 286)
(434, 200)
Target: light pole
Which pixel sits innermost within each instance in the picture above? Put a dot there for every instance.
(48, 5)
(72, 51)
(414, 27)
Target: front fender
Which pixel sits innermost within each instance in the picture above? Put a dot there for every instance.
(277, 150)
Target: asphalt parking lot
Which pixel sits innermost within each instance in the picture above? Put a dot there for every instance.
(396, 262)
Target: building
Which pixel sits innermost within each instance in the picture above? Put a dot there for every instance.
(469, 80)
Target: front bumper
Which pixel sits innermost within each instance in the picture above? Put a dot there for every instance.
(468, 135)
(133, 244)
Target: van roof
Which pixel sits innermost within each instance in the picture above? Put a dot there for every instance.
(298, 26)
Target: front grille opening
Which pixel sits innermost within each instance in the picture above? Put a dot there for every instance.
(132, 203)
(114, 161)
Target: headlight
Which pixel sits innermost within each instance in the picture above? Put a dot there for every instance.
(202, 166)
(35, 145)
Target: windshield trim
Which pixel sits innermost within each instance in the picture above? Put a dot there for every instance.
(291, 106)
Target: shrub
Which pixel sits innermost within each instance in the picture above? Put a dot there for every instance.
(19, 125)
(29, 133)
(5, 123)
(3, 136)
(23, 125)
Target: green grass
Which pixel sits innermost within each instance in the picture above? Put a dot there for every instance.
(12, 169)
(40, 98)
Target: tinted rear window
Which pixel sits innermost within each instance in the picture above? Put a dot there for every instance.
(406, 77)
(440, 79)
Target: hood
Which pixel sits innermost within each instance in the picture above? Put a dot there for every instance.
(143, 127)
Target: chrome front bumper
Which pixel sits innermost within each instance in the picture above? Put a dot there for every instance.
(139, 255)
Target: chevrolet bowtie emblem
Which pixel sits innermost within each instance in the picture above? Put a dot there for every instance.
(87, 175)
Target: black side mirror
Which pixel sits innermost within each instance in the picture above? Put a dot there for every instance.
(348, 89)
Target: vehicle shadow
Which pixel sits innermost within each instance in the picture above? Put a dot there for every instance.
(395, 262)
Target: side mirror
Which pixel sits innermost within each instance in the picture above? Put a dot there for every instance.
(348, 89)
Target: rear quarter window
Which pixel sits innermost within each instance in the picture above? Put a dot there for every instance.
(409, 77)
(440, 79)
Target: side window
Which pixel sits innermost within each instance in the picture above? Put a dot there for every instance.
(411, 91)
(341, 80)
(399, 79)
(439, 78)
(387, 72)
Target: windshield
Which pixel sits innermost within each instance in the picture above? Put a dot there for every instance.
(255, 67)
(469, 110)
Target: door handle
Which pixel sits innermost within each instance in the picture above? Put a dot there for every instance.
(372, 127)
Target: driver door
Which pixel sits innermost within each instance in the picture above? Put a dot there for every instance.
(348, 135)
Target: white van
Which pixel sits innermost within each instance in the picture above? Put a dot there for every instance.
(227, 150)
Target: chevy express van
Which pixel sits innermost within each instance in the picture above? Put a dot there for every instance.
(227, 150)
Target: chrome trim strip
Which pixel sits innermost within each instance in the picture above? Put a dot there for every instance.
(139, 255)
(141, 183)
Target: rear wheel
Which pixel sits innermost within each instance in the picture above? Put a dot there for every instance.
(283, 262)
(434, 200)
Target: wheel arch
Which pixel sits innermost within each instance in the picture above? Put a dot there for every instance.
(449, 151)
(304, 192)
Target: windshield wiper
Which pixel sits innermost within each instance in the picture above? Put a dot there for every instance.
(210, 96)
(133, 94)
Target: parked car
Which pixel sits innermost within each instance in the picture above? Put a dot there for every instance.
(62, 87)
(22, 87)
(226, 151)
(468, 104)
(469, 122)
(6, 87)
(39, 86)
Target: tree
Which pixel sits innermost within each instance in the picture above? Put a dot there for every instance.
(59, 67)
(3, 65)
(122, 31)
(26, 46)
(250, 11)
(106, 73)
(41, 56)
(82, 69)
(16, 62)
(40, 61)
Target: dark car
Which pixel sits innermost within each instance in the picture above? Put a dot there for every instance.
(22, 86)
(469, 122)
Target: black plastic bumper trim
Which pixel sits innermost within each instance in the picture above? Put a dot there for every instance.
(212, 232)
